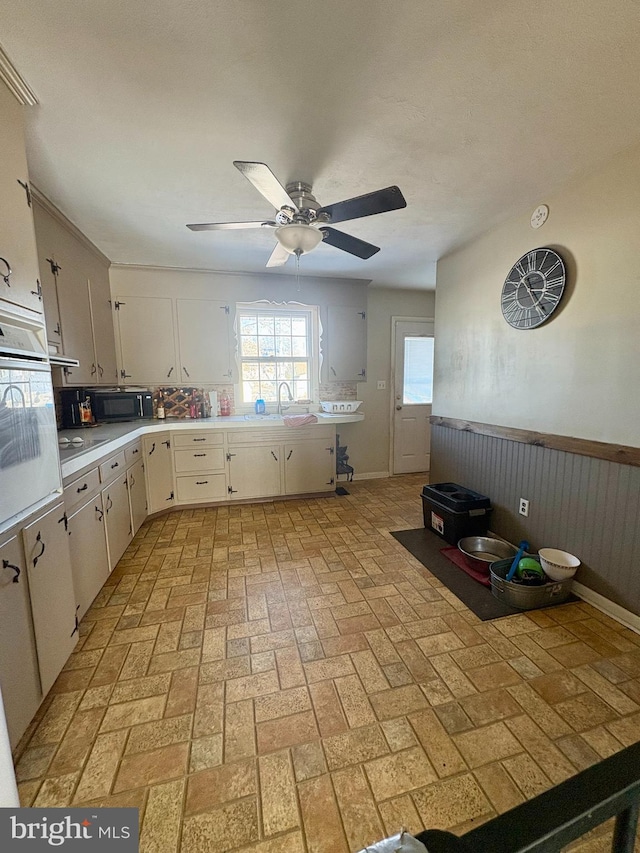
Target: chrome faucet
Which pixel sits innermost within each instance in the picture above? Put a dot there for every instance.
(281, 408)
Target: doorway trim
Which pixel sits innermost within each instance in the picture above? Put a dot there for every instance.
(395, 319)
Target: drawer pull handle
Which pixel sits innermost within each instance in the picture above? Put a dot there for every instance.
(199, 454)
(7, 565)
(115, 465)
(274, 455)
(100, 512)
(82, 488)
(290, 455)
(199, 439)
(153, 447)
(41, 543)
(170, 372)
(64, 520)
(201, 482)
(109, 504)
(7, 275)
(133, 452)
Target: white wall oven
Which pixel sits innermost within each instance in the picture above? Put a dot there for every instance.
(29, 462)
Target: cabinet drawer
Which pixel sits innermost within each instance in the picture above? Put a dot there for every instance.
(201, 488)
(81, 489)
(133, 453)
(201, 459)
(211, 438)
(114, 466)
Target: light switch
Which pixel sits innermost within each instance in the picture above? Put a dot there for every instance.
(381, 385)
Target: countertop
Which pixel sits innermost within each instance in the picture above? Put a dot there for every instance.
(99, 441)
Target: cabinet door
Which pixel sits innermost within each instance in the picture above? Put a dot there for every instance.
(254, 472)
(75, 317)
(158, 471)
(117, 516)
(309, 466)
(103, 332)
(53, 599)
(346, 344)
(137, 495)
(145, 325)
(18, 662)
(48, 279)
(89, 558)
(204, 336)
(17, 239)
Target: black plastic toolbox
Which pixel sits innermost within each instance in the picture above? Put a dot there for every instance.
(453, 512)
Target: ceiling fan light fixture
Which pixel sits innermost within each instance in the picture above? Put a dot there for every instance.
(298, 239)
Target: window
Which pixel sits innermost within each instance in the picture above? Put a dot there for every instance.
(418, 371)
(275, 345)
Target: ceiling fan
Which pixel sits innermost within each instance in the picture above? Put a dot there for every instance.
(300, 222)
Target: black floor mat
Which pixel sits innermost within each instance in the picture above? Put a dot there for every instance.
(425, 546)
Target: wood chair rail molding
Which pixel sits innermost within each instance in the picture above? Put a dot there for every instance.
(584, 447)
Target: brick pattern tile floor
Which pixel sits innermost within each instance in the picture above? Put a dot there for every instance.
(286, 677)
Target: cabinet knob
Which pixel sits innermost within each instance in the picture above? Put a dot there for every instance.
(7, 565)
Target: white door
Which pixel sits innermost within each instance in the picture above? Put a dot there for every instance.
(147, 351)
(204, 340)
(412, 394)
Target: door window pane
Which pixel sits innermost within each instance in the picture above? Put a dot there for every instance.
(417, 386)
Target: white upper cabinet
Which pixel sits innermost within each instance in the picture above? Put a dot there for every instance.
(103, 333)
(345, 344)
(204, 341)
(147, 347)
(77, 305)
(165, 340)
(19, 265)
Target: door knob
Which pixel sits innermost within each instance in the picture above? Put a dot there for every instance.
(398, 408)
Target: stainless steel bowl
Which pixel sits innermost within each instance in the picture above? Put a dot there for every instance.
(481, 551)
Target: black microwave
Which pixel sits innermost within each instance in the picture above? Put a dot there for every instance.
(104, 406)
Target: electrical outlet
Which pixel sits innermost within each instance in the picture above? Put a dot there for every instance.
(381, 385)
(523, 508)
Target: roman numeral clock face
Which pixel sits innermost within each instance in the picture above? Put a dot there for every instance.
(533, 289)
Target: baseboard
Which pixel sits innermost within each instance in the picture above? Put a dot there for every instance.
(372, 475)
(615, 611)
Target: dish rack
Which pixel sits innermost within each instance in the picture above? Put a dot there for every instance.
(340, 407)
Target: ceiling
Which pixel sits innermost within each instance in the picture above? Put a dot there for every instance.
(476, 110)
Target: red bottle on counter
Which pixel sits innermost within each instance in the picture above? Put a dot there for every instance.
(225, 405)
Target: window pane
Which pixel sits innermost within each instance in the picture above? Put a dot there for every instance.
(250, 390)
(299, 326)
(301, 390)
(418, 371)
(268, 392)
(248, 325)
(265, 325)
(283, 325)
(267, 370)
(266, 346)
(301, 369)
(283, 347)
(285, 370)
(249, 369)
(299, 346)
(249, 345)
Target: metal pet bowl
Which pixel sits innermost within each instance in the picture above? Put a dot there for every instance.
(481, 551)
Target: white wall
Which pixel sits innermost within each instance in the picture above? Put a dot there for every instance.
(579, 374)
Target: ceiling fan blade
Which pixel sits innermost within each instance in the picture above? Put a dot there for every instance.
(279, 256)
(353, 245)
(379, 201)
(228, 226)
(266, 183)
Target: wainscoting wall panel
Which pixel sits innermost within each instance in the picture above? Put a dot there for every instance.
(588, 506)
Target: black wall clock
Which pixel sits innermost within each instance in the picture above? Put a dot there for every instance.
(533, 289)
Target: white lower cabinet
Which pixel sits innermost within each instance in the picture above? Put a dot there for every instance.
(158, 471)
(137, 495)
(89, 558)
(117, 516)
(254, 471)
(19, 678)
(309, 466)
(53, 599)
